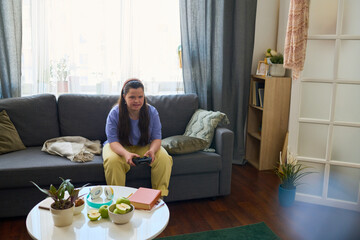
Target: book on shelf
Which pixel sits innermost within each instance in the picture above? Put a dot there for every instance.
(254, 93)
(145, 198)
(255, 96)
(261, 97)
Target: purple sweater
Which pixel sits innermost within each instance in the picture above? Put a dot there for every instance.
(111, 128)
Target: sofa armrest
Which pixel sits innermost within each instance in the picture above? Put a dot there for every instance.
(224, 144)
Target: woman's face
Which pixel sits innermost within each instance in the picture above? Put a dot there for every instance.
(134, 99)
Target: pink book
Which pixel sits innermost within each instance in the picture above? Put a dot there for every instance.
(145, 198)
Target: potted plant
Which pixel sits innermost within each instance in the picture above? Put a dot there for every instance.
(59, 72)
(275, 60)
(290, 172)
(64, 197)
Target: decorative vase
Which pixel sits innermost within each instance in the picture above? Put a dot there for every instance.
(286, 196)
(62, 217)
(277, 70)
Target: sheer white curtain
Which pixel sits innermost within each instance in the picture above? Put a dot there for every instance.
(93, 46)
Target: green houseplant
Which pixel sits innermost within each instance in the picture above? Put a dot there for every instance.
(275, 57)
(64, 198)
(275, 60)
(289, 172)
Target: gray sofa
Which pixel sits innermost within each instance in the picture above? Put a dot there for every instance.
(41, 117)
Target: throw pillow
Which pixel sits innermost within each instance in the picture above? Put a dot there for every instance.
(203, 123)
(180, 144)
(9, 138)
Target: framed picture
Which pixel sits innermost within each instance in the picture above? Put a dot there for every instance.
(262, 68)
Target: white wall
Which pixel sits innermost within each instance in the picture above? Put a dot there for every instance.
(283, 17)
(266, 29)
(270, 32)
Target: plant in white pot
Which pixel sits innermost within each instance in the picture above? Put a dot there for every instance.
(276, 61)
(62, 208)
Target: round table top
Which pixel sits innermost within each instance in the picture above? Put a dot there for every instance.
(143, 225)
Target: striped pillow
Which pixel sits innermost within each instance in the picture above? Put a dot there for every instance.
(203, 123)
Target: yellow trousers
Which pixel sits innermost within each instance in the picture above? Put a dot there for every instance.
(116, 167)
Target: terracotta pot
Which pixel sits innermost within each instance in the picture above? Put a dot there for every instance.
(286, 196)
(62, 86)
(62, 217)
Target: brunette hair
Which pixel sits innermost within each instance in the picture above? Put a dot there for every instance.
(124, 118)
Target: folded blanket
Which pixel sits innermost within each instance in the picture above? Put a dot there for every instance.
(75, 148)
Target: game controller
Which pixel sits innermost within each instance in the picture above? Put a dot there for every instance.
(143, 160)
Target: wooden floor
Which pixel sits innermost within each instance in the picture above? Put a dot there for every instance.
(253, 199)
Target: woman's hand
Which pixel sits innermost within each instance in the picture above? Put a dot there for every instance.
(151, 154)
(154, 147)
(129, 157)
(120, 150)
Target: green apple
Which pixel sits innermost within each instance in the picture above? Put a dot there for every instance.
(104, 211)
(93, 215)
(123, 208)
(123, 200)
(117, 211)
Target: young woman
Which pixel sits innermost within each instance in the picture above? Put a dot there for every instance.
(133, 129)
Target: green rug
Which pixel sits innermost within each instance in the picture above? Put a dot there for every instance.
(251, 232)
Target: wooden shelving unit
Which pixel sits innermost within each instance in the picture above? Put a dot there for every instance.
(267, 125)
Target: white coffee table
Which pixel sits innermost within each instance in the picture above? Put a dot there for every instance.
(143, 225)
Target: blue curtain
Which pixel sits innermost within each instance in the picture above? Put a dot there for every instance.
(217, 38)
(10, 48)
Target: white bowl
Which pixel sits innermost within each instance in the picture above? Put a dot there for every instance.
(78, 209)
(120, 218)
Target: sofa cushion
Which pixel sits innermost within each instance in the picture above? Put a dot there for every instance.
(143, 171)
(34, 117)
(9, 137)
(85, 115)
(181, 144)
(45, 169)
(195, 163)
(175, 111)
(17, 169)
(203, 123)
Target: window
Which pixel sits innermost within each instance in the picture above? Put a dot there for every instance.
(93, 46)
